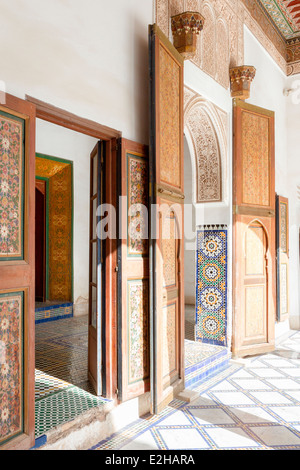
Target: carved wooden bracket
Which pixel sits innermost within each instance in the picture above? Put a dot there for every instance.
(185, 28)
(240, 81)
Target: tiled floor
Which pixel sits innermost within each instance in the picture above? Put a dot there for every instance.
(58, 402)
(61, 350)
(190, 322)
(62, 389)
(251, 406)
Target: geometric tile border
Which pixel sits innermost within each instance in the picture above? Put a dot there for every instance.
(54, 312)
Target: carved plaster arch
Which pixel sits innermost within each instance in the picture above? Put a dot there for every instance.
(206, 128)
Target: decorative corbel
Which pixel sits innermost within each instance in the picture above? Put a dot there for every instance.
(240, 81)
(185, 28)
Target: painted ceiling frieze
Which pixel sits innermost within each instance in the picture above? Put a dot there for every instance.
(285, 14)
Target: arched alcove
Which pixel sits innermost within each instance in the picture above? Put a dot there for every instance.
(206, 133)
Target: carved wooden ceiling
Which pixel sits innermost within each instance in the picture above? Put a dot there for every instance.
(285, 14)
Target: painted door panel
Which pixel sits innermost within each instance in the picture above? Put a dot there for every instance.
(133, 314)
(17, 269)
(167, 196)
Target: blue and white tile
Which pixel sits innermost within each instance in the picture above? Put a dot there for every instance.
(232, 438)
(144, 441)
(256, 406)
(182, 439)
(276, 436)
(254, 414)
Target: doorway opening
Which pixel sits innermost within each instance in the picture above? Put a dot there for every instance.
(53, 238)
(205, 260)
(63, 388)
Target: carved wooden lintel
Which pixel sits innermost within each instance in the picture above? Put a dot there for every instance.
(185, 28)
(240, 81)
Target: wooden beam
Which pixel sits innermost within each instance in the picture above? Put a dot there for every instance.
(71, 121)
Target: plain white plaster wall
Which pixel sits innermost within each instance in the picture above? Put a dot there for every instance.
(90, 58)
(57, 141)
(293, 141)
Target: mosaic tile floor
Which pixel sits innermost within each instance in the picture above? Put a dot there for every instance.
(190, 322)
(58, 402)
(250, 406)
(61, 350)
(62, 387)
(62, 390)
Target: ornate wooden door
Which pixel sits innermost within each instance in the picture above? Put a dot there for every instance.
(167, 196)
(96, 343)
(254, 265)
(282, 249)
(17, 265)
(133, 266)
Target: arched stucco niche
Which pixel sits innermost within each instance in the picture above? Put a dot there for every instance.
(206, 132)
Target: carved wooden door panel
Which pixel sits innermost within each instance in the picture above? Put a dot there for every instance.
(254, 265)
(133, 266)
(166, 246)
(17, 266)
(282, 249)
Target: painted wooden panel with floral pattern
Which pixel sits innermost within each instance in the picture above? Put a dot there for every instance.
(11, 365)
(138, 200)
(138, 330)
(11, 186)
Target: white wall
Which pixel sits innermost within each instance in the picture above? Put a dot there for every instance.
(57, 141)
(293, 146)
(88, 57)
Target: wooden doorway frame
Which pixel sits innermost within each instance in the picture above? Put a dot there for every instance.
(60, 117)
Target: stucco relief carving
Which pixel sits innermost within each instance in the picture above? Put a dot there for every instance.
(207, 127)
(221, 43)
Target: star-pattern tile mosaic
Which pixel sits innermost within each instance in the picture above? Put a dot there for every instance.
(250, 406)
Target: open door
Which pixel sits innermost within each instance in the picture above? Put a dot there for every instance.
(96, 341)
(133, 274)
(254, 264)
(17, 264)
(166, 241)
(282, 249)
